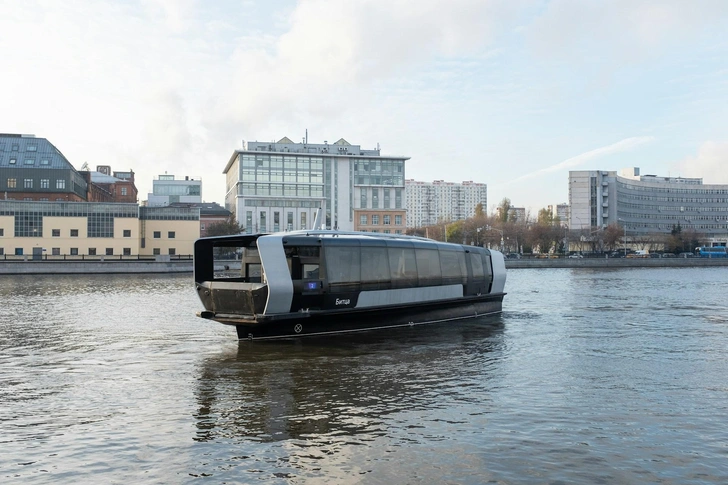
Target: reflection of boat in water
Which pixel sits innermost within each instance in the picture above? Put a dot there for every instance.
(308, 283)
(328, 392)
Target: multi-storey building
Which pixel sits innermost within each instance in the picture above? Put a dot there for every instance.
(647, 204)
(105, 187)
(279, 186)
(167, 190)
(32, 169)
(429, 203)
(562, 212)
(43, 229)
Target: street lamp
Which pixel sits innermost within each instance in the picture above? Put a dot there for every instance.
(490, 228)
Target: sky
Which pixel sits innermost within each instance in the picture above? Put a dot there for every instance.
(510, 93)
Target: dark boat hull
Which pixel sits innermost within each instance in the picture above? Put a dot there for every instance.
(330, 322)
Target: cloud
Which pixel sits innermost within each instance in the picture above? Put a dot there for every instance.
(710, 163)
(621, 30)
(578, 160)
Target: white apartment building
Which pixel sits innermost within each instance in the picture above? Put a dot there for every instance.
(647, 204)
(429, 203)
(167, 190)
(278, 186)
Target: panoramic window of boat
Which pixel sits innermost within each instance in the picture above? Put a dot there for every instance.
(428, 267)
(375, 267)
(343, 264)
(476, 265)
(453, 267)
(403, 267)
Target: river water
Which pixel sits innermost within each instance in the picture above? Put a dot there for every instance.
(588, 376)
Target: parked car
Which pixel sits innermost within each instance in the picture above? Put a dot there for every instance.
(575, 256)
(669, 255)
(686, 255)
(513, 256)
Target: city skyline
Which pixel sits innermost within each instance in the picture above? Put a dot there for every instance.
(510, 94)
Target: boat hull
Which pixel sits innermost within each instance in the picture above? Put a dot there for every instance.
(298, 325)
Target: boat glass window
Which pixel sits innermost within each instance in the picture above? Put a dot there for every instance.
(376, 265)
(428, 267)
(476, 264)
(343, 264)
(403, 266)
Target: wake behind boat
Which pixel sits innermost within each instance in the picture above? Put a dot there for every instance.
(317, 282)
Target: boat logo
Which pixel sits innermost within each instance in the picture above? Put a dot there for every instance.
(343, 302)
(298, 328)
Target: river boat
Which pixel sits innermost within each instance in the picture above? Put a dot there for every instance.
(319, 282)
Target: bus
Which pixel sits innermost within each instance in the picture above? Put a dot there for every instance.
(713, 252)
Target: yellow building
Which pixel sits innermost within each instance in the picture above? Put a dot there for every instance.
(70, 230)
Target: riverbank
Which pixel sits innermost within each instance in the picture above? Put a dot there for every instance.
(186, 266)
(615, 263)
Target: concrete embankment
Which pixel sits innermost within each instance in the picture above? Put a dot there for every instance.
(615, 263)
(105, 267)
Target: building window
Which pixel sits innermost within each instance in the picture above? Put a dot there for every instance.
(276, 221)
(18, 251)
(13, 161)
(56, 251)
(74, 232)
(290, 221)
(172, 251)
(31, 148)
(74, 251)
(2, 251)
(28, 183)
(249, 222)
(45, 161)
(2, 231)
(386, 231)
(363, 220)
(157, 234)
(60, 184)
(127, 251)
(45, 183)
(170, 234)
(375, 198)
(127, 232)
(375, 219)
(363, 200)
(386, 198)
(56, 232)
(92, 251)
(15, 147)
(303, 220)
(397, 198)
(397, 220)
(12, 183)
(30, 161)
(156, 252)
(398, 231)
(123, 191)
(387, 220)
(262, 221)
(109, 251)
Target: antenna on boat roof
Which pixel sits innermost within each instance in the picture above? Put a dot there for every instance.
(319, 220)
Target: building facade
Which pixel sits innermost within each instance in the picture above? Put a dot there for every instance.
(279, 186)
(59, 229)
(33, 169)
(430, 203)
(647, 204)
(105, 186)
(166, 190)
